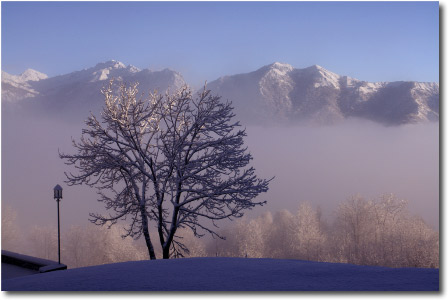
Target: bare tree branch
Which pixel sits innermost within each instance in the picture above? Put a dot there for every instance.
(172, 159)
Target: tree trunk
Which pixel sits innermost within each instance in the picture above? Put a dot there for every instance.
(166, 252)
(169, 240)
(166, 247)
(146, 233)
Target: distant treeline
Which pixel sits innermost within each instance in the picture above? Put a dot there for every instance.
(378, 232)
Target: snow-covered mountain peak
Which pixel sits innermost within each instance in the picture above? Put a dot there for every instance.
(317, 69)
(103, 71)
(6, 77)
(111, 64)
(28, 75)
(277, 91)
(15, 87)
(325, 77)
(428, 86)
(314, 94)
(280, 68)
(314, 68)
(119, 65)
(133, 69)
(77, 93)
(276, 74)
(32, 75)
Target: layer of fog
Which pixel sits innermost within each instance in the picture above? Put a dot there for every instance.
(31, 168)
(323, 165)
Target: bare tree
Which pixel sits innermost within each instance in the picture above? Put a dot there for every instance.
(195, 245)
(379, 231)
(244, 238)
(11, 237)
(308, 239)
(42, 242)
(172, 159)
(387, 212)
(355, 223)
(382, 232)
(90, 245)
(280, 238)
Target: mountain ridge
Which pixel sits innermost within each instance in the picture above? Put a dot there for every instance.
(314, 94)
(73, 96)
(277, 92)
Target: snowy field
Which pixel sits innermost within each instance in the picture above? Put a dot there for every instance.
(229, 274)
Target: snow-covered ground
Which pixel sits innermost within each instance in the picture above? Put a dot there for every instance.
(12, 271)
(229, 274)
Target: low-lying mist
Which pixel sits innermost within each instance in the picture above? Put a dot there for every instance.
(326, 165)
(321, 165)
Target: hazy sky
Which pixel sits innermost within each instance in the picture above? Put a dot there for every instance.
(379, 41)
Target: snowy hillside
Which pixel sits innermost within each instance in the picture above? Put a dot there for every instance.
(228, 274)
(282, 93)
(75, 94)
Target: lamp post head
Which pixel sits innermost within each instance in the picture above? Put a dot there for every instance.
(57, 192)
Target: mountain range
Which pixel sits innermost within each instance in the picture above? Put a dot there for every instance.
(314, 94)
(73, 96)
(276, 93)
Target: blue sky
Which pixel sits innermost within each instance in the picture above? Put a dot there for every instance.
(379, 41)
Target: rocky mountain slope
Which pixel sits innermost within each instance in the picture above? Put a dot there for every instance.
(281, 93)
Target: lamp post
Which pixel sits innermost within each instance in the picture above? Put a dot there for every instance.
(58, 196)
